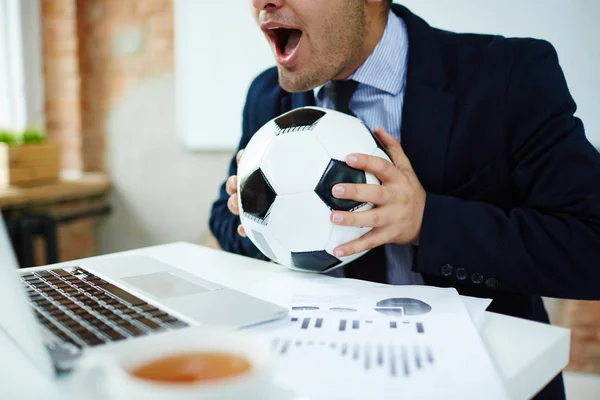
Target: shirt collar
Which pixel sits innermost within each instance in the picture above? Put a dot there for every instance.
(385, 68)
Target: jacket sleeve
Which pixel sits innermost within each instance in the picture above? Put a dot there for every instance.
(549, 246)
(223, 224)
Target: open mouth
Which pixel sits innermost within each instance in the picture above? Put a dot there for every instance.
(285, 40)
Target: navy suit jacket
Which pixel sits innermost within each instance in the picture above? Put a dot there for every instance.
(513, 185)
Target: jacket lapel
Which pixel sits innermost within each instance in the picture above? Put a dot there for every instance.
(428, 110)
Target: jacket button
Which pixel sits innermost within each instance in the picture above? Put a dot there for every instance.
(447, 270)
(461, 274)
(477, 278)
(491, 282)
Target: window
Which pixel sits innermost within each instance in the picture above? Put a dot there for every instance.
(21, 82)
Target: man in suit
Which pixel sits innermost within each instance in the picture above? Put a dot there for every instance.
(494, 188)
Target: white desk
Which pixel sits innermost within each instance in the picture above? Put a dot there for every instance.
(527, 354)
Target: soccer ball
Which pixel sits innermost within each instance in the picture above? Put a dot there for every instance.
(285, 178)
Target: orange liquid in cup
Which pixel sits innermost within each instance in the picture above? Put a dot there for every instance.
(193, 368)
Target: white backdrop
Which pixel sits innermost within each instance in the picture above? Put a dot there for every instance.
(219, 51)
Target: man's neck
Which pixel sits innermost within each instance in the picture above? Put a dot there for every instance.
(375, 26)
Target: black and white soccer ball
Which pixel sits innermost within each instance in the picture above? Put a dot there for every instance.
(285, 178)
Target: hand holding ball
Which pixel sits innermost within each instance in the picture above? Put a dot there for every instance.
(284, 183)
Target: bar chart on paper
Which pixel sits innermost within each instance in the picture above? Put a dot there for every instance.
(392, 359)
(330, 323)
(382, 341)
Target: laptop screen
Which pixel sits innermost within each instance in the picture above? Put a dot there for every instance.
(16, 316)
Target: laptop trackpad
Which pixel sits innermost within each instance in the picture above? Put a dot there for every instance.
(164, 285)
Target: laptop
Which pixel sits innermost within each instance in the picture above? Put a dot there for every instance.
(53, 314)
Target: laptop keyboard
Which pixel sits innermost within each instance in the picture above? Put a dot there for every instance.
(82, 309)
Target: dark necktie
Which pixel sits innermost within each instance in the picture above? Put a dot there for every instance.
(340, 92)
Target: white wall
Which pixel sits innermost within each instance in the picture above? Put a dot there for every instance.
(210, 91)
(570, 25)
(218, 51)
(161, 193)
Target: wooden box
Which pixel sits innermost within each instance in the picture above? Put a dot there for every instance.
(29, 164)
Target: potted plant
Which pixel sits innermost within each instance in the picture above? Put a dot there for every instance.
(28, 158)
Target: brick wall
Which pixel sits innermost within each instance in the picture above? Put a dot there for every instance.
(121, 43)
(94, 50)
(583, 318)
(61, 79)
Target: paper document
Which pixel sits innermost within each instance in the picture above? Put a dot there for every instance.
(383, 341)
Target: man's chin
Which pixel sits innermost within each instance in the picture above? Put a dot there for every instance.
(295, 82)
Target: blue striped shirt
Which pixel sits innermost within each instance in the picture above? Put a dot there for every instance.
(378, 101)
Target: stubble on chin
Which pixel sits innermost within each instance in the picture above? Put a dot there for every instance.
(297, 82)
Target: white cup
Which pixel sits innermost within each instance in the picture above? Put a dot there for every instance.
(103, 373)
